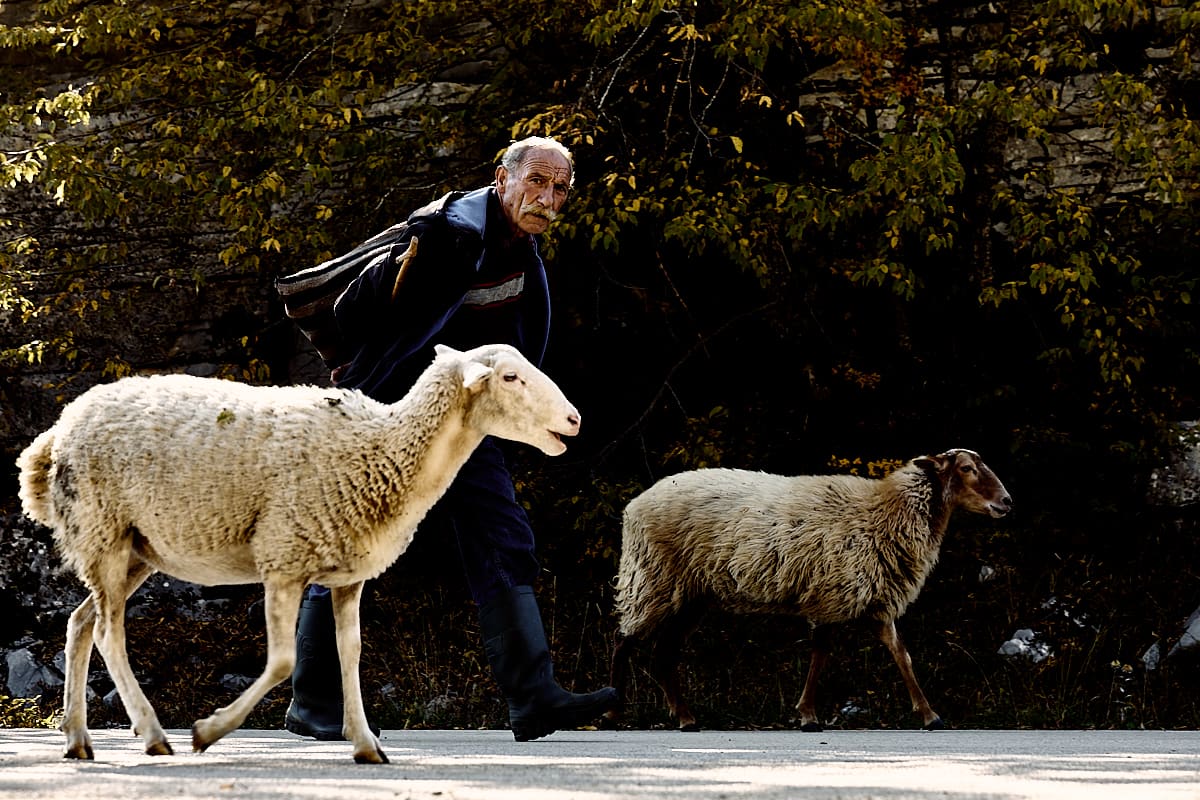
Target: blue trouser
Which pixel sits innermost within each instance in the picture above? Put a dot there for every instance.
(493, 533)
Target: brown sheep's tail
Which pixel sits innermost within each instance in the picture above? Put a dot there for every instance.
(34, 463)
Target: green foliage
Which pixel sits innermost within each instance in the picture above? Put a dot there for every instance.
(927, 192)
(803, 235)
(24, 712)
(160, 146)
(802, 143)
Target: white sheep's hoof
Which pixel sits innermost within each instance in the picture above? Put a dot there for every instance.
(370, 755)
(202, 740)
(82, 751)
(159, 748)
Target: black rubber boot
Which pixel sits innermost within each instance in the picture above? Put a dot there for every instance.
(520, 658)
(316, 707)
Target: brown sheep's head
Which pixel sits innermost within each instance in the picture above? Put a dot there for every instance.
(967, 482)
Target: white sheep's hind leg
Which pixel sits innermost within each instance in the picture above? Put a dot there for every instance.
(78, 656)
(80, 633)
(282, 606)
(110, 579)
(367, 749)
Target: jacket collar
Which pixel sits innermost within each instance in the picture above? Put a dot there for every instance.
(470, 211)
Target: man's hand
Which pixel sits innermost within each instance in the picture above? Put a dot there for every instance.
(404, 260)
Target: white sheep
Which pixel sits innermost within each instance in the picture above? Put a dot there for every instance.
(217, 482)
(830, 548)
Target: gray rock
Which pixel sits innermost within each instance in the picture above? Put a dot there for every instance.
(1176, 484)
(1025, 644)
(113, 700)
(1151, 657)
(27, 677)
(36, 593)
(1189, 640)
(236, 683)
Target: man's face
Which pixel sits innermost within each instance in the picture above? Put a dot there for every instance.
(532, 194)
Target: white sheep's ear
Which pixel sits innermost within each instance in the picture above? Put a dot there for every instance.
(443, 350)
(475, 375)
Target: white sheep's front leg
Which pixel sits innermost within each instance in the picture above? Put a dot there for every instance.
(367, 749)
(282, 606)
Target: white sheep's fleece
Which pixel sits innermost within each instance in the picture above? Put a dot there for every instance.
(218, 482)
(221, 482)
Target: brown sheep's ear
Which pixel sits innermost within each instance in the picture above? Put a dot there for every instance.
(932, 464)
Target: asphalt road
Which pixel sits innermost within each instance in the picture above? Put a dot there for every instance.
(601, 765)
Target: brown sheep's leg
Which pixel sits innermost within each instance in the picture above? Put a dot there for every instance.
(622, 649)
(664, 664)
(891, 639)
(820, 655)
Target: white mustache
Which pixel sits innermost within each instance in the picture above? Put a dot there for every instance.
(539, 210)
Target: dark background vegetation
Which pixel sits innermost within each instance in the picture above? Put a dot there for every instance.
(804, 237)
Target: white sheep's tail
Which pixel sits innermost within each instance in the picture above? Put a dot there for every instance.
(34, 463)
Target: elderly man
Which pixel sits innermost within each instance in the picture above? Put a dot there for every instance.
(472, 277)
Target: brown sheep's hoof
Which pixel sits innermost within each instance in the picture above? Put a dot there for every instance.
(935, 724)
(812, 727)
(691, 727)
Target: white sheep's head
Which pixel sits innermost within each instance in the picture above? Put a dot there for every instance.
(513, 399)
(967, 482)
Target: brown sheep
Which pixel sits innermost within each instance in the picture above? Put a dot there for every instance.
(830, 548)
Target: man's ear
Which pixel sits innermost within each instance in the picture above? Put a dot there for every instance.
(501, 179)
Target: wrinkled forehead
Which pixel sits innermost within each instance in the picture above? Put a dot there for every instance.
(546, 163)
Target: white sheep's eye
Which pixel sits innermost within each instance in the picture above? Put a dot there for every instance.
(509, 377)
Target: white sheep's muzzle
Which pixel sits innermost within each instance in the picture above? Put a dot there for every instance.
(555, 446)
(514, 399)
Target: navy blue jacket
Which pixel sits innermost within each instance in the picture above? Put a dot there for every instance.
(464, 241)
